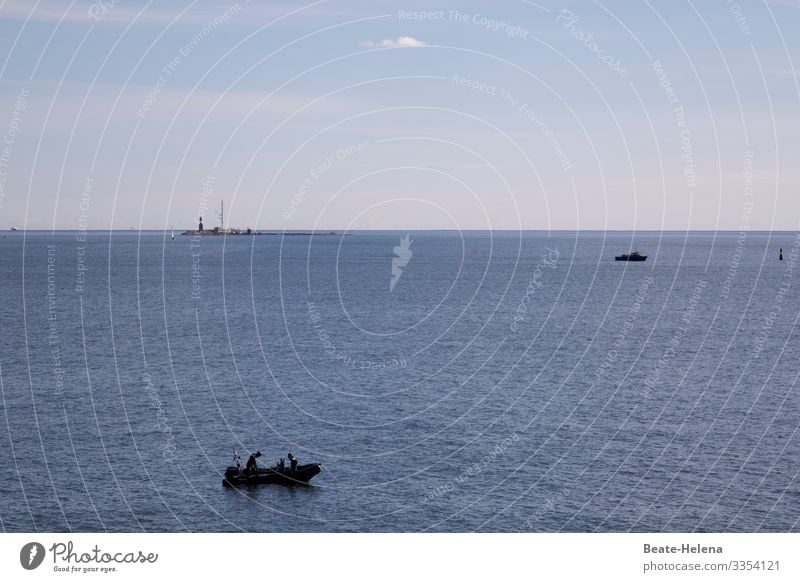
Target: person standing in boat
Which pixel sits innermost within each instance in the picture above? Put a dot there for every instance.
(252, 466)
(292, 461)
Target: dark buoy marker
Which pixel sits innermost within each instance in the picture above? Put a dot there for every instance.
(780, 256)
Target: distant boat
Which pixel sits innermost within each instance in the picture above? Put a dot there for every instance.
(634, 256)
(14, 228)
(172, 236)
(272, 476)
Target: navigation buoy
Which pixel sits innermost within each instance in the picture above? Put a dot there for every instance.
(780, 257)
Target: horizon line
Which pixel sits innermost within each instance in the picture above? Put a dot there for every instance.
(337, 231)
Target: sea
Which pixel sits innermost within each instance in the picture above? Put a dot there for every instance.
(453, 381)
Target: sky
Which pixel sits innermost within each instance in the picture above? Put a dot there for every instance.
(340, 114)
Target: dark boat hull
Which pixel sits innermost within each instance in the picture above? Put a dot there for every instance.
(634, 259)
(272, 476)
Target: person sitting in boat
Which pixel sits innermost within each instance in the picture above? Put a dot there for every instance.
(292, 460)
(252, 466)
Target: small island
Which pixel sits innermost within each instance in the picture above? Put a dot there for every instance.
(223, 231)
(219, 230)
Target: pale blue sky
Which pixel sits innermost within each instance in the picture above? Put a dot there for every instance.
(570, 124)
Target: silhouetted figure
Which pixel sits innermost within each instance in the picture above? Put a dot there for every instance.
(780, 257)
(292, 461)
(252, 466)
(281, 464)
(200, 227)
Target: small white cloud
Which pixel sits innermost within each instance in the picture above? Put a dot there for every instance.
(401, 41)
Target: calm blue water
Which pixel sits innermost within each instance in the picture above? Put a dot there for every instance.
(624, 396)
